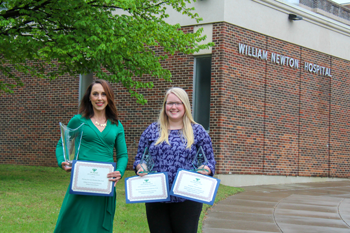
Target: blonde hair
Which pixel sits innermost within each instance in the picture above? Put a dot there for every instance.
(187, 118)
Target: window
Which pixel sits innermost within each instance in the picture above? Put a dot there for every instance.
(84, 81)
(201, 90)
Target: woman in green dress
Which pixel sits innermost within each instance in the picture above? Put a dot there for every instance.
(101, 133)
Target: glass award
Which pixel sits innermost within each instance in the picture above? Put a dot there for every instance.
(147, 162)
(71, 140)
(200, 160)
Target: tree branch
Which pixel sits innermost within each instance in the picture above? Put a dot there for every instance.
(14, 12)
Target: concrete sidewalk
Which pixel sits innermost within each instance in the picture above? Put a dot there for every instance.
(291, 208)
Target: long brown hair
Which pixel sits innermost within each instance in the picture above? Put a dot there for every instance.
(86, 109)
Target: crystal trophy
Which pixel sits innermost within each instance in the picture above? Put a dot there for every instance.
(147, 162)
(200, 160)
(71, 140)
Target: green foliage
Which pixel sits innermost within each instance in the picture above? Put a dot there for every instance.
(49, 38)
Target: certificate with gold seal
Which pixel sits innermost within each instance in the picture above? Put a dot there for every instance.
(90, 178)
(195, 186)
(149, 188)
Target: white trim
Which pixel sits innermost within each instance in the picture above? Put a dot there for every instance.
(208, 31)
(270, 18)
(307, 15)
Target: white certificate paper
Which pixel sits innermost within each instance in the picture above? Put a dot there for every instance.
(195, 186)
(90, 178)
(149, 188)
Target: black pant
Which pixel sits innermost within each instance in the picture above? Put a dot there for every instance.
(180, 217)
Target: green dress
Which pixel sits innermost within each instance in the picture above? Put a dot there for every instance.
(81, 213)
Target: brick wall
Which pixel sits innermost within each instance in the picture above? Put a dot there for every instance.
(135, 117)
(314, 117)
(282, 94)
(265, 118)
(339, 125)
(238, 97)
(29, 126)
(275, 120)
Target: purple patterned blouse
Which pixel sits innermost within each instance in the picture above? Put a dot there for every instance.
(169, 158)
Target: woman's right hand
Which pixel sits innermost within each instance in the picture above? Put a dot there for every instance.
(140, 169)
(65, 166)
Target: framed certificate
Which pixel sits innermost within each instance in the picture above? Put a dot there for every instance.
(148, 188)
(90, 178)
(195, 186)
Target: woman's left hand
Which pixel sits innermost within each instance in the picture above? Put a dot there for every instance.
(114, 176)
(206, 170)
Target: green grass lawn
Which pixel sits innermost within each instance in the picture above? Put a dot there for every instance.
(31, 197)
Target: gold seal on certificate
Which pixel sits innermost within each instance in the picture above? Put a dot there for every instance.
(149, 188)
(195, 186)
(90, 178)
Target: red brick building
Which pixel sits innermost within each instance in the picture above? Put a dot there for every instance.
(274, 93)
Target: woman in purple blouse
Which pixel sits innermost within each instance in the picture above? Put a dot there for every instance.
(173, 142)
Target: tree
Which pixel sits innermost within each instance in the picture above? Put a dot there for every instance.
(49, 38)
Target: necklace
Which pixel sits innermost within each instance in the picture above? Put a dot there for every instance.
(102, 125)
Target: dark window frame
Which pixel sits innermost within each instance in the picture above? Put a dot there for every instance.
(202, 90)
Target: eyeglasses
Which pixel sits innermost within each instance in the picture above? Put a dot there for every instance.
(177, 104)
